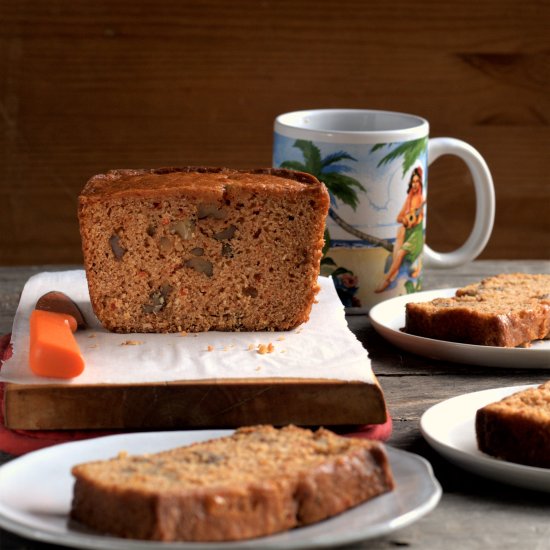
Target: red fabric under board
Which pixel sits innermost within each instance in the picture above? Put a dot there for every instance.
(19, 442)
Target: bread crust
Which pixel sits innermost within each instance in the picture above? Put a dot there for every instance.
(293, 487)
(195, 248)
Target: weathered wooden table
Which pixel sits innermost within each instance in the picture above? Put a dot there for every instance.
(474, 512)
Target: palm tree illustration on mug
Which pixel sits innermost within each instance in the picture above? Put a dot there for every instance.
(339, 185)
(332, 172)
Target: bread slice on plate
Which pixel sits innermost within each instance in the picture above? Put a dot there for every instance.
(507, 310)
(517, 428)
(258, 481)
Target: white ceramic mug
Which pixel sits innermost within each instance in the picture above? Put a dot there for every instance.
(374, 164)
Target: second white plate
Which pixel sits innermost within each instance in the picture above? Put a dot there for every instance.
(36, 491)
(449, 427)
(388, 318)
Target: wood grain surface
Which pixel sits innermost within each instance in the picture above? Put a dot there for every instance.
(89, 86)
(192, 405)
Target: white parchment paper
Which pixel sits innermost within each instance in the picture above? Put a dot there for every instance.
(322, 348)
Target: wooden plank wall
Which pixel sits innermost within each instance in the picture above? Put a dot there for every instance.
(86, 86)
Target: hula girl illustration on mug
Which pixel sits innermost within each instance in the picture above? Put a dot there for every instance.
(410, 235)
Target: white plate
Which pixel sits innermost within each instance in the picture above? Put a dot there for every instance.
(388, 318)
(449, 427)
(36, 490)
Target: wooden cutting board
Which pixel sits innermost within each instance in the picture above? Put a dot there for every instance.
(193, 404)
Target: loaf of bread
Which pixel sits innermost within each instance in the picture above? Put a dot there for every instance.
(506, 310)
(258, 481)
(517, 428)
(196, 249)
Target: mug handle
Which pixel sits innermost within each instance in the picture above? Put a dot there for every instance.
(485, 203)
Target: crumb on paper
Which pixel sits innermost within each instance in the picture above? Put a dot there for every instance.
(266, 348)
(315, 301)
(281, 338)
(251, 347)
(93, 346)
(258, 368)
(299, 329)
(283, 351)
(122, 454)
(210, 348)
(91, 335)
(132, 343)
(183, 333)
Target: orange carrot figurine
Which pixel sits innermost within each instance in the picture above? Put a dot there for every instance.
(53, 349)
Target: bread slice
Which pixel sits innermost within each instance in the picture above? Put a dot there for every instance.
(196, 249)
(506, 310)
(517, 428)
(258, 481)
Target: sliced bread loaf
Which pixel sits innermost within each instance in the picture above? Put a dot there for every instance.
(195, 249)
